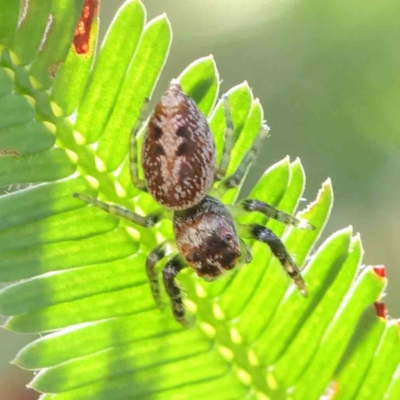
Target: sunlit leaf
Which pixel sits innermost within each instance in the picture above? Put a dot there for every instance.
(77, 275)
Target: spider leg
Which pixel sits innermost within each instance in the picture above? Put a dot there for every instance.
(246, 257)
(269, 211)
(278, 249)
(147, 221)
(133, 159)
(158, 253)
(235, 180)
(228, 142)
(171, 270)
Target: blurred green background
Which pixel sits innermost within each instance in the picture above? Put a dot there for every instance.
(328, 76)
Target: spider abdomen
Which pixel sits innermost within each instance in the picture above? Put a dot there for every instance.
(206, 236)
(178, 152)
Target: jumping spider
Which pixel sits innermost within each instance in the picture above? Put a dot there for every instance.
(179, 165)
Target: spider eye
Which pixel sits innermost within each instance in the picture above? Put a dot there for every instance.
(228, 237)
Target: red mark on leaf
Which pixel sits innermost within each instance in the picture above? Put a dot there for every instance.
(380, 309)
(380, 270)
(82, 30)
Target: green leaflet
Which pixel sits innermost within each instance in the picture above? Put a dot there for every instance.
(300, 350)
(359, 354)
(10, 12)
(81, 272)
(273, 282)
(121, 360)
(59, 34)
(200, 81)
(68, 344)
(42, 201)
(149, 379)
(64, 97)
(64, 255)
(8, 110)
(393, 391)
(139, 82)
(383, 366)
(47, 166)
(41, 137)
(293, 309)
(7, 77)
(28, 37)
(63, 286)
(118, 48)
(367, 289)
(71, 225)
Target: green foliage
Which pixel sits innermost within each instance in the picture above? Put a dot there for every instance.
(80, 272)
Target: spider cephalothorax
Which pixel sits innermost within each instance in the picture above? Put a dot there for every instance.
(178, 156)
(207, 238)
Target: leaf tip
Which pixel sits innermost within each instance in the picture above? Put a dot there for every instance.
(282, 164)
(327, 184)
(380, 270)
(286, 159)
(246, 86)
(325, 193)
(8, 324)
(160, 19)
(202, 60)
(19, 361)
(296, 161)
(210, 58)
(356, 242)
(164, 17)
(348, 231)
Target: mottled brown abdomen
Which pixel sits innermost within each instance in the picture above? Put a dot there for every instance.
(178, 154)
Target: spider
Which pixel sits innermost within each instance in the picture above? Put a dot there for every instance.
(179, 166)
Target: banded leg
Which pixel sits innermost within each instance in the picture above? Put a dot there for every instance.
(133, 159)
(278, 249)
(171, 270)
(153, 258)
(122, 212)
(237, 177)
(234, 180)
(228, 141)
(269, 211)
(246, 257)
